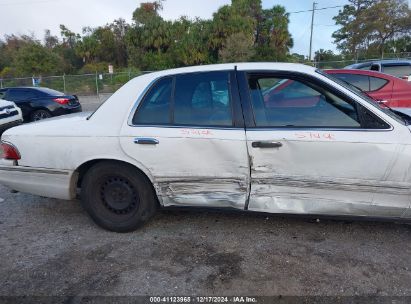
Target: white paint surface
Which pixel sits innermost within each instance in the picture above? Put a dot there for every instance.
(359, 172)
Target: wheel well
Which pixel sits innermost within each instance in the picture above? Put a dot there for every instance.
(36, 109)
(82, 170)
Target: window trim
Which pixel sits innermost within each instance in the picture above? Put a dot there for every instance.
(250, 116)
(234, 99)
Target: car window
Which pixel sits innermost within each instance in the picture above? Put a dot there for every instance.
(155, 107)
(378, 123)
(375, 67)
(397, 70)
(360, 81)
(283, 102)
(364, 67)
(47, 91)
(377, 83)
(18, 95)
(203, 99)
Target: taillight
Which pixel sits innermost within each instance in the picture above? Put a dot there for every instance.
(10, 151)
(62, 100)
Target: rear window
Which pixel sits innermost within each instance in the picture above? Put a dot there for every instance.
(50, 91)
(397, 70)
(360, 81)
(377, 83)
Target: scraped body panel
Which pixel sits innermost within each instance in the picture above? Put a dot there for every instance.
(194, 167)
(337, 173)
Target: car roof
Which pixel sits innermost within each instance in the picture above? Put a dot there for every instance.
(20, 88)
(38, 89)
(382, 62)
(363, 72)
(243, 66)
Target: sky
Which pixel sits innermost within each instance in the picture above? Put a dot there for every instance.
(34, 16)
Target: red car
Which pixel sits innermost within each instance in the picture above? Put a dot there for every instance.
(393, 91)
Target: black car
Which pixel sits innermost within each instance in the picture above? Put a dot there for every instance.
(38, 103)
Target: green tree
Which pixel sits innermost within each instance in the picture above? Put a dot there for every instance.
(120, 27)
(241, 16)
(50, 41)
(239, 47)
(35, 59)
(67, 50)
(327, 59)
(149, 39)
(190, 46)
(367, 25)
(87, 47)
(386, 19)
(274, 39)
(9, 48)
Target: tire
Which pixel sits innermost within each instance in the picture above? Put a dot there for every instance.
(117, 196)
(39, 115)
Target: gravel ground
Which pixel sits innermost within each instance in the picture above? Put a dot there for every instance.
(51, 247)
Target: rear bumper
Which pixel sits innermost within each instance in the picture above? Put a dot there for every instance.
(39, 181)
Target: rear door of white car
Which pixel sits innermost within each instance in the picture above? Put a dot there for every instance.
(188, 132)
(315, 151)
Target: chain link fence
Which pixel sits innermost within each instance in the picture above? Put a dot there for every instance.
(86, 84)
(339, 64)
(105, 83)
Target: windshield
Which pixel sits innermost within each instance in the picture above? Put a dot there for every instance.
(363, 96)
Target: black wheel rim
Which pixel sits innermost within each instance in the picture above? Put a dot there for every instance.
(118, 195)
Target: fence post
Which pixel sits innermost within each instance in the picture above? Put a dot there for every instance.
(97, 85)
(129, 74)
(1, 83)
(64, 83)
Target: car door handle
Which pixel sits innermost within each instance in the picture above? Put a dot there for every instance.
(266, 144)
(146, 141)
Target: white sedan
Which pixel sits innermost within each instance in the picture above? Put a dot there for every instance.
(267, 137)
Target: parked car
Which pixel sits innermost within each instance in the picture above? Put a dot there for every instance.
(203, 137)
(397, 68)
(390, 90)
(10, 115)
(40, 103)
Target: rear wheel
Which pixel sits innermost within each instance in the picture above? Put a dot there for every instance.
(39, 115)
(117, 196)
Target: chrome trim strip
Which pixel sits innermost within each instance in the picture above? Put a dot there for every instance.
(33, 170)
(320, 129)
(187, 127)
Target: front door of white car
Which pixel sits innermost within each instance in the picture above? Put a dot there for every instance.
(315, 151)
(187, 135)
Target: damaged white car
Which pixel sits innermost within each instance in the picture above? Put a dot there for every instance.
(268, 137)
